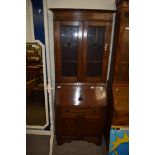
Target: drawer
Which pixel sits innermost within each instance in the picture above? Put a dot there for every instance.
(80, 110)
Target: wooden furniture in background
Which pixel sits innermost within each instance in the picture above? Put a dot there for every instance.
(121, 69)
(31, 79)
(117, 84)
(121, 65)
(80, 112)
(121, 105)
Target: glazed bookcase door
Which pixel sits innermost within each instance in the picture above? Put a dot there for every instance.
(68, 41)
(96, 50)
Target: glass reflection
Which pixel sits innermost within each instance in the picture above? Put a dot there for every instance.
(75, 34)
(77, 95)
(35, 100)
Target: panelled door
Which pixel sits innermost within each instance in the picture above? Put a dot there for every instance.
(68, 126)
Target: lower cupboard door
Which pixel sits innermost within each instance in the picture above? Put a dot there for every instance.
(68, 127)
(92, 128)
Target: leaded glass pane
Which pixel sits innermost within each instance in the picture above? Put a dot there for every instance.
(69, 49)
(95, 49)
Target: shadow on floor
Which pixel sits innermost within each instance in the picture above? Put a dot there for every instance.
(78, 148)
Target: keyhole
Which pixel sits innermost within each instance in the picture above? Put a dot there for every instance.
(80, 98)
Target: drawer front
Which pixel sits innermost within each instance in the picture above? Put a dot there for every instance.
(81, 110)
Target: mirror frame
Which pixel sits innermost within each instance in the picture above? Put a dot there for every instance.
(45, 89)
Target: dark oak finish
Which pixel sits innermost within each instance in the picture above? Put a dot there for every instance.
(82, 15)
(121, 69)
(58, 53)
(80, 119)
(68, 126)
(93, 127)
(92, 58)
(81, 107)
(105, 50)
(122, 4)
(121, 105)
(119, 72)
(120, 86)
(68, 95)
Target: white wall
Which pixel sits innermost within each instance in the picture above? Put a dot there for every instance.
(29, 22)
(82, 4)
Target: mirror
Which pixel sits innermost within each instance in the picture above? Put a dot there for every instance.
(36, 92)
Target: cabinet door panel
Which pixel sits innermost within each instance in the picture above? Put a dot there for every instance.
(96, 49)
(68, 127)
(68, 41)
(92, 126)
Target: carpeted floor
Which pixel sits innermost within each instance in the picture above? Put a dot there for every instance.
(40, 145)
(37, 144)
(79, 148)
(35, 114)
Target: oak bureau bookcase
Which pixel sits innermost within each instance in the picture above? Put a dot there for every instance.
(81, 42)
